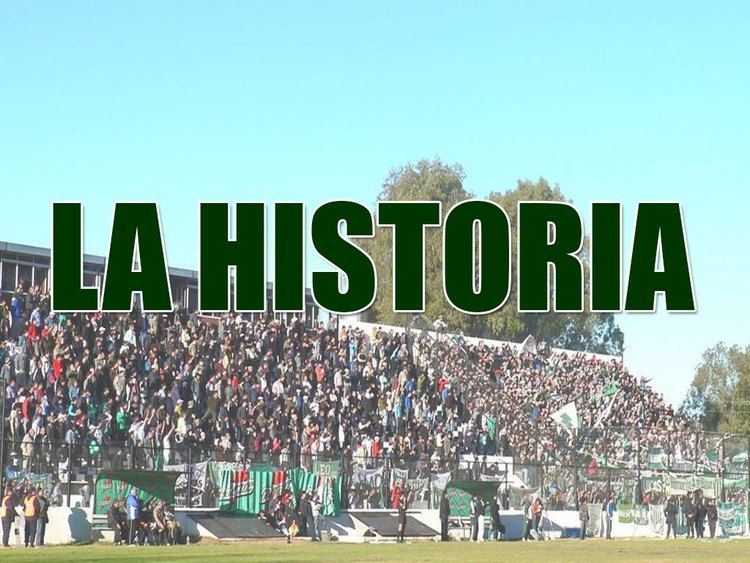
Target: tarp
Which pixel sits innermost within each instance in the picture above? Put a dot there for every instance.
(114, 484)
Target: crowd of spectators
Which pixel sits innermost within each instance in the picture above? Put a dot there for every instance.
(234, 387)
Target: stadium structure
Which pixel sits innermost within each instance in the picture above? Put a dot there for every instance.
(527, 421)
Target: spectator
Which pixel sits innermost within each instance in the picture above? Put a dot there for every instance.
(7, 514)
(401, 530)
(43, 517)
(315, 522)
(445, 512)
(31, 509)
(116, 522)
(583, 516)
(475, 510)
(712, 515)
(133, 516)
(610, 514)
(670, 514)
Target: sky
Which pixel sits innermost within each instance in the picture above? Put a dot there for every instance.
(181, 102)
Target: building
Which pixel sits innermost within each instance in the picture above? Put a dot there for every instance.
(29, 265)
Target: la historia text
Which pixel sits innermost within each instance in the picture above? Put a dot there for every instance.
(478, 251)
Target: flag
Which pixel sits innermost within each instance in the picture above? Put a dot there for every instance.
(607, 409)
(610, 389)
(328, 499)
(567, 417)
(656, 458)
(529, 345)
(490, 425)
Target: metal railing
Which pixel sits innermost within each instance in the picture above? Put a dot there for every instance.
(620, 460)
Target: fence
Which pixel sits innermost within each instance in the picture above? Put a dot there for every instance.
(639, 467)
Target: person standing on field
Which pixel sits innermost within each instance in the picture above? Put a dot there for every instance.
(526, 508)
(43, 517)
(475, 508)
(31, 510)
(133, 515)
(314, 525)
(7, 514)
(583, 516)
(445, 513)
(610, 514)
(700, 517)
(401, 520)
(712, 515)
(688, 509)
(670, 514)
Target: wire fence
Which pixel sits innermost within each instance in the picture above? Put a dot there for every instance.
(639, 467)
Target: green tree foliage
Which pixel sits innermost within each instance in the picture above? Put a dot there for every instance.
(719, 397)
(438, 181)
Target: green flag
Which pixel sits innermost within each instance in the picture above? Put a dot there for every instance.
(610, 388)
(490, 425)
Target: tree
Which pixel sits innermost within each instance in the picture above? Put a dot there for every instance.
(719, 397)
(434, 180)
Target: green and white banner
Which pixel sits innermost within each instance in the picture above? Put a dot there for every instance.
(114, 485)
(245, 491)
(732, 518)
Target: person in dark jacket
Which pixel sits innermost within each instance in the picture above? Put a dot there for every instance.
(116, 522)
(475, 509)
(290, 522)
(497, 527)
(41, 528)
(307, 525)
(445, 513)
(401, 531)
(700, 518)
(7, 514)
(505, 500)
(670, 514)
(712, 515)
(583, 516)
(610, 515)
(688, 509)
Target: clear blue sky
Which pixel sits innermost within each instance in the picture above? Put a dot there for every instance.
(186, 101)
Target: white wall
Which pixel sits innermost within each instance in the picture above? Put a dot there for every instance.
(66, 525)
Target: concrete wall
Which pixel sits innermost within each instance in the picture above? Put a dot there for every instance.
(66, 525)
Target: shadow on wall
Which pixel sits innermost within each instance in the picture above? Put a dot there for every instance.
(80, 527)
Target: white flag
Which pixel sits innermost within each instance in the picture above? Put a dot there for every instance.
(529, 345)
(605, 413)
(567, 417)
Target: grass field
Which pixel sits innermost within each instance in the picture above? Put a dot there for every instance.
(562, 550)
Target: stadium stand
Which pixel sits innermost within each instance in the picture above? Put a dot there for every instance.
(401, 409)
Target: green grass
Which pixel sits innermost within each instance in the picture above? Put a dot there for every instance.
(560, 550)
